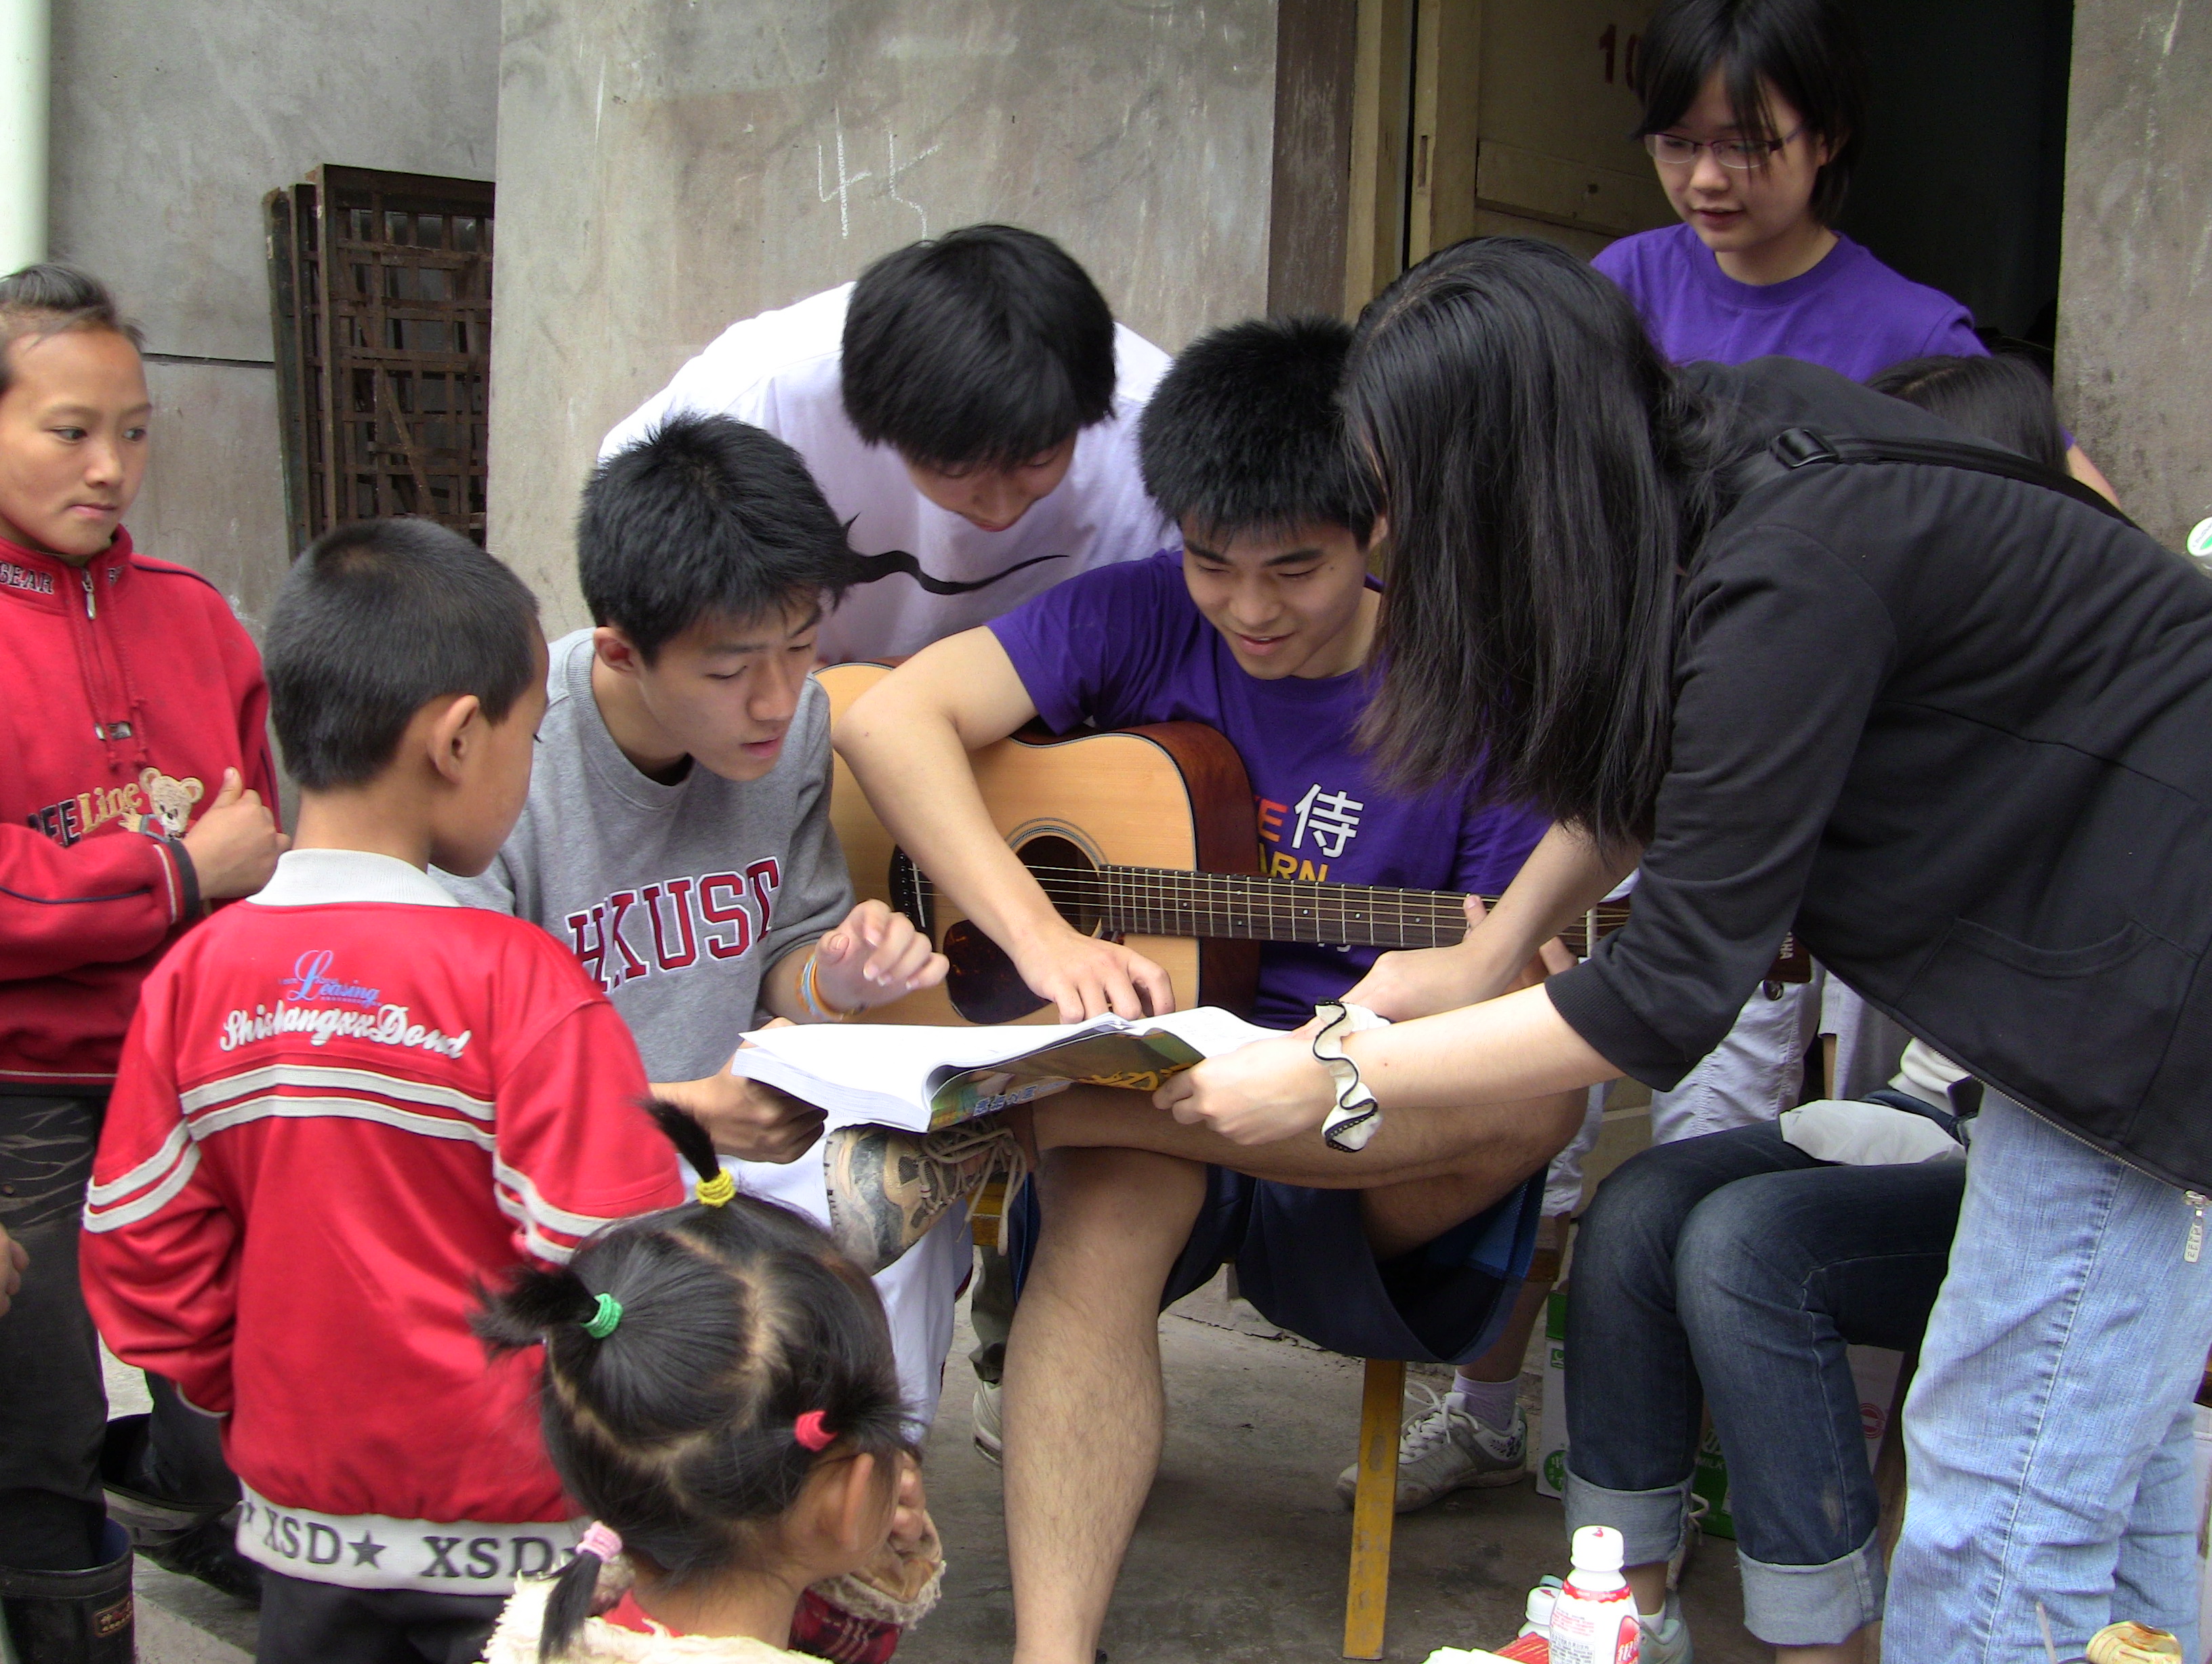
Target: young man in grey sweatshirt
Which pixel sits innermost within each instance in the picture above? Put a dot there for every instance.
(677, 831)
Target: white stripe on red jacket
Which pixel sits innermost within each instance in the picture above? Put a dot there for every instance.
(342, 1107)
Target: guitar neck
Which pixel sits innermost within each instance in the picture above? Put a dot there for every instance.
(1239, 907)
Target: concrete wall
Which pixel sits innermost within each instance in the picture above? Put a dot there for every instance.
(171, 118)
(668, 168)
(2135, 312)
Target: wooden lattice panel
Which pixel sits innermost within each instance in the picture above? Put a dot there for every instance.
(385, 345)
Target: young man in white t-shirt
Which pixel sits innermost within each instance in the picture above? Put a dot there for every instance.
(970, 406)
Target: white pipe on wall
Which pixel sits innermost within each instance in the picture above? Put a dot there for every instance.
(24, 39)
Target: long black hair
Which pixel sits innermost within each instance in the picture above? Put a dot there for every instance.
(1807, 51)
(2000, 397)
(1543, 474)
(680, 1426)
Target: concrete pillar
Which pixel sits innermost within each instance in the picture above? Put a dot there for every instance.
(25, 46)
(667, 169)
(2134, 305)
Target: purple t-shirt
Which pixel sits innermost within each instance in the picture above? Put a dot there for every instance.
(1850, 313)
(1124, 644)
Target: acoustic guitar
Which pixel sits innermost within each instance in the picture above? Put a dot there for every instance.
(1147, 835)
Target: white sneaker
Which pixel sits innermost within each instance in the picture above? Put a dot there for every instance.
(1445, 1449)
(983, 1415)
(1665, 1637)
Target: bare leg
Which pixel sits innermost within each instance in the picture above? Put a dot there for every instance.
(1503, 1362)
(1083, 1401)
(1422, 1174)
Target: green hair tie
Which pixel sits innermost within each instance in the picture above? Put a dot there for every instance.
(601, 1323)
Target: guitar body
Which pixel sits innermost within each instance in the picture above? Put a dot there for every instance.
(1168, 795)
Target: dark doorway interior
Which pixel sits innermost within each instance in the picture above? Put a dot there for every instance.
(1964, 170)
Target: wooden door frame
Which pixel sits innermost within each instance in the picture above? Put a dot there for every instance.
(1374, 164)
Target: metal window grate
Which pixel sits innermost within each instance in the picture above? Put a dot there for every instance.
(381, 288)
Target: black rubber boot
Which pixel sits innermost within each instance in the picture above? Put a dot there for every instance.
(72, 1617)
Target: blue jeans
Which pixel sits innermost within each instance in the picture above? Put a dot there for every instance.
(1734, 1269)
(2048, 1431)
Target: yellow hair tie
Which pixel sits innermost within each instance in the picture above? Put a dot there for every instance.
(717, 1191)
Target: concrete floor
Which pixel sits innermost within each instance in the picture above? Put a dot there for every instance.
(1241, 1554)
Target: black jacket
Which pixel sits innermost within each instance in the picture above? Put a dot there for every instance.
(1957, 730)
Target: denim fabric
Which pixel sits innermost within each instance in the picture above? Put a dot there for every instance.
(53, 1404)
(1734, 1269)
(2048, 1430)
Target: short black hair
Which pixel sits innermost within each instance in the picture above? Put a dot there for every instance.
(53, 299)
(2002, 397)
(1243, 432)
(705, 516)
(376, 620)
(983, 348)
(1809, 50)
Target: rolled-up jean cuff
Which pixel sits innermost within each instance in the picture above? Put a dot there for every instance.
(1650, 1521)
(1813, 1605)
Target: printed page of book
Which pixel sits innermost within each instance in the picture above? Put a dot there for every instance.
(920, 1077)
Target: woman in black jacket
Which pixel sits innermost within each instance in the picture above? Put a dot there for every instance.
(1948, 720)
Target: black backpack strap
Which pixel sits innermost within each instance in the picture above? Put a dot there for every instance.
(1801, 448)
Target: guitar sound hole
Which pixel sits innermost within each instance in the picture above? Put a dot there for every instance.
(1069, 877)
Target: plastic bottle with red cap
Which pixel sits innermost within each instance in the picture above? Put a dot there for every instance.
(1593, 1618)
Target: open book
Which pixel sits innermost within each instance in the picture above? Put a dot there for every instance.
(922, 1079)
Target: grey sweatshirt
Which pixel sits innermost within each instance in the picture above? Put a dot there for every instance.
(676, 898)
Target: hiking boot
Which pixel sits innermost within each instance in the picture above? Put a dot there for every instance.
(983, 1413)
(1445, 1449)
(887, 1188)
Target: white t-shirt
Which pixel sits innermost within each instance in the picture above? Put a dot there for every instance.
(780, 371)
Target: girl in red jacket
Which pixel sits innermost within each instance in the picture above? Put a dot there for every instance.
(135, 787)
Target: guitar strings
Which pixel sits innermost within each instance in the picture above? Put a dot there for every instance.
(1301, 909)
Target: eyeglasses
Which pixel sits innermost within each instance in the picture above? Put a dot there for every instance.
(1742, 155)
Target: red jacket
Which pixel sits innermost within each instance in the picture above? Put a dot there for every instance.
(343, 1104)
(126, 688)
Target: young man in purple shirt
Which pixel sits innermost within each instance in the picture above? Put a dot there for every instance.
(1413, 1246)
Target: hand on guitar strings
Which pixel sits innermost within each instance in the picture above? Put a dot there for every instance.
(753, 1122)
(1262, 1093)
(1426, 981)
(1088, 977)
(876, 956)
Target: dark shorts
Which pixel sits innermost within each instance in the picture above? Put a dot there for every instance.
(305, 1623)
(1302, 1260)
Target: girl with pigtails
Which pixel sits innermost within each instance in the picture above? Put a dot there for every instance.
(720, 1395)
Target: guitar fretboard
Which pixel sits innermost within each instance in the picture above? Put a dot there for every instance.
(1241, 906)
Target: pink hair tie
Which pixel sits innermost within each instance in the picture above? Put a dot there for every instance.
(600, 1540)
(809, 1432)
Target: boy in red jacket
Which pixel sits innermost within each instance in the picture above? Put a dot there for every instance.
(348, 1102)
(134, 781)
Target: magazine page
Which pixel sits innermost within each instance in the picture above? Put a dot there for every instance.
(922, 1078)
